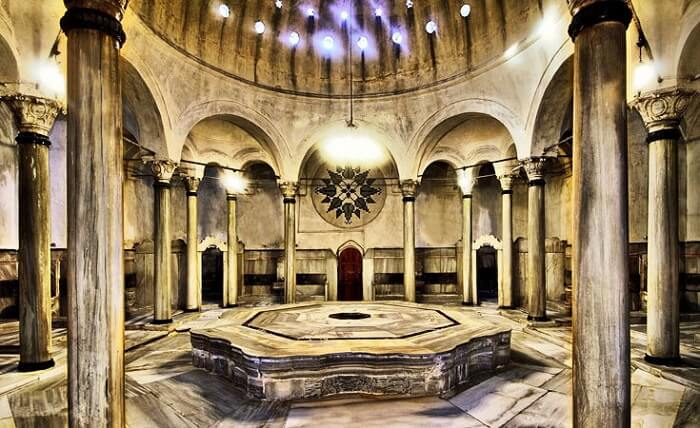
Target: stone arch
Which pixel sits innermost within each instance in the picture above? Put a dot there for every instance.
(258, 126)
(9, 58)
(553, 110)
(688, 39)
(446, 119)
(142, 114)
(350, 244)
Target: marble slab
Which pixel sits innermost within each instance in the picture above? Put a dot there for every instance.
(302, 352)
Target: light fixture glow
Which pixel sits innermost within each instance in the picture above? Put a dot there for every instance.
(511, 51)
(224, 10)
(234, 182)
(344, 15)
(409, 4)
(362, 42)
(396, 37)
(378, 12)
(328, 42)
(278, 4)
(259, 27)
(465, 180)
(465, 10)
(431, 27)
(352, 148)
(547, 29)
(294, 38)
(48, 76)
(310, 12)
(644, 76)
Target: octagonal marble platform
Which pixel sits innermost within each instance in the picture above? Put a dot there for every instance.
(312, 350)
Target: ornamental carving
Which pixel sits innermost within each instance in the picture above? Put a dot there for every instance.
(192, 183)
(34, 114)
(663, 109)
(535, 167)
(348, 193)
(289, 189)
(347, 196)
(409, 188)
(162, 170)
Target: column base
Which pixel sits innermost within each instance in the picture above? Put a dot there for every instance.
(538, 319)
(191, 310)
(232, 305)
(467, 304)
(33, 367)
(663, 361)
(168, 321)
(506, 307)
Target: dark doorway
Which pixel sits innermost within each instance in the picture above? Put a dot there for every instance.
(350, 274)
(486, 274)
(212, 276)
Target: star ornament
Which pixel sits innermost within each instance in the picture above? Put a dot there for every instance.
(348, 191)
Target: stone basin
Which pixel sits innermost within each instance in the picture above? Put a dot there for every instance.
(317, 350)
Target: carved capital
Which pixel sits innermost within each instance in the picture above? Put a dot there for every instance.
(102, 15)
(466, 180)
(663, 110)
(162, 170)
(34, 114)
(506, 181)
(191, 184)
(534, 168)
(587, 13)
(290, 190)
(113, 8)
(409, 189)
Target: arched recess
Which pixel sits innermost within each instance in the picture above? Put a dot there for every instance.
(438, 207)
(552, 123)
(260, 209)
(9, 72)
(142, 118)
(9, 67)
(257, 126)
(435, 128)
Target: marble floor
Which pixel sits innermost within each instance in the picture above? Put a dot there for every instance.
(163, 389)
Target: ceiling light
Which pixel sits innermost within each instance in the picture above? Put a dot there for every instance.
(234, 182)
(396, 37)
(344, 15)
(328, 42)
(465, 10)
(294, 38)
(378, 12)
(278, 4)
(511, 51)
(49, 78)
(644, 76)
(431, 27)
(362, 42)
(354, 148)
(310, 12)
(224, 11)
(259, 27)
(409, 4)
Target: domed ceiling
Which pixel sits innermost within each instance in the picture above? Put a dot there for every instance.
(318, 66)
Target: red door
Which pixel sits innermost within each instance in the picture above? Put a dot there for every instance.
(350, 275)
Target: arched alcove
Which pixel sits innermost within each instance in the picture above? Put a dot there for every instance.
(438, 207)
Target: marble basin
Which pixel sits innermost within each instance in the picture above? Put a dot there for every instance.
(312, 350)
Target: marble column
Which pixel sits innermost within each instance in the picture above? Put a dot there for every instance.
(505, 296)
(231, 290)
(95, 218)
(465, 180)
(536, 289)
(600, 314)
(35, 118)
(162, 270)
(193, 295)
(289, 192)
(408, 190)
(662, 112)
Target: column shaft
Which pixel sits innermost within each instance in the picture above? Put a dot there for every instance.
(537, 294)
(601, 344)
(506, 295)
(193, 298)
(231, 292)
(663, 304)
(290, 272)
(95, 217)
(162, 274)
(34, 256)
(409, 249)
(468, 297)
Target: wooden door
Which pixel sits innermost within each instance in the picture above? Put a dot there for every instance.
(350, 274)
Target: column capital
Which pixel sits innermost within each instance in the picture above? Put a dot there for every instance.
(191, 184)
(587, 13)
(162, 169)
(409, 188)
(101, 15)
(663, 110)
(534, 168)
(34, 114)
(506, 182)
(290, 190)
(466, 180)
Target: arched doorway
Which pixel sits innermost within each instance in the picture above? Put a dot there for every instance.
(212, 275)
(350, 274)
(486, 274)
